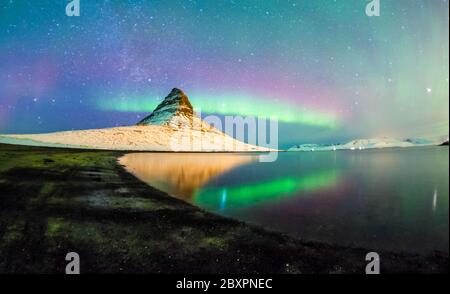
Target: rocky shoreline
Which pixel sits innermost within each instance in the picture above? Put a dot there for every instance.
(54, 201)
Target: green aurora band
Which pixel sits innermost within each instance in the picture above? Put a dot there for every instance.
(248, 195)
(235, 105)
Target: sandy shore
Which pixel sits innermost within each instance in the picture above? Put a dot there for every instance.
(57, 200)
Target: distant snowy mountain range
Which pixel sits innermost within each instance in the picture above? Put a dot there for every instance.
(362, 144)
(172, 126)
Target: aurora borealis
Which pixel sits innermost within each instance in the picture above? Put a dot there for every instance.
(252, 194)
(325, 69)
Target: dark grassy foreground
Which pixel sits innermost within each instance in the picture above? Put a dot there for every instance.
(56, 201)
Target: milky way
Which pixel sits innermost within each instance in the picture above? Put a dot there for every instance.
(324, 68)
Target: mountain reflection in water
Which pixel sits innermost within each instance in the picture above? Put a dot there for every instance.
(181, 174)
(392, 199)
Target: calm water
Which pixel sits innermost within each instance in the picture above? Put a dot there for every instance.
(394, 199)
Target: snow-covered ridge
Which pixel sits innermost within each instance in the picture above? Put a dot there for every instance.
(362, 144)
(173, 126)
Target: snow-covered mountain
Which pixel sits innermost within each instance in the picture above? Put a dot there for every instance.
(362, 144)
(420, 141)
(376, 143)
(173, 126)
(312, 147)
(175, 111)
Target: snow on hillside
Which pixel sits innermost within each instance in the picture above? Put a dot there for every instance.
(376, 143)
(362, 144)
(136, 138)
(173, 126)
(175, 111)
(312, 147)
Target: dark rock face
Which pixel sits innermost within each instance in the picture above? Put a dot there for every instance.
(175, 110)
(445, 143)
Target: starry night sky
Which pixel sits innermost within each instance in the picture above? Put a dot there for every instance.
(325, 69)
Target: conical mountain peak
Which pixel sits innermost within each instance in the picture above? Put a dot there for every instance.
(176, 110)
(176, 91)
